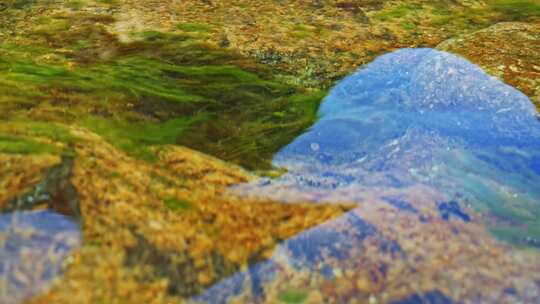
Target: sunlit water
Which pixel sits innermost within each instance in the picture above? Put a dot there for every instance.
(33, 247)
(443, 161)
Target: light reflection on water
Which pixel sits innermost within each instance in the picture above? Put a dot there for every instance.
(439, 157)
(33, 247)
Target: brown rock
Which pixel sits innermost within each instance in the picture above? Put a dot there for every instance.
(510, 51)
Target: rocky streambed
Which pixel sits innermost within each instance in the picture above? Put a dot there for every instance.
(414, 184)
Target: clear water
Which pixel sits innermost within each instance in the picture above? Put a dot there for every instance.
(443, 161)
(33, 248)
(420, 116)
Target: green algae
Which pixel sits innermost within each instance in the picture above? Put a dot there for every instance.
(194, 27)
(163, 88)
(525, 237)
(510, 220)
(70, 69)
(137, 138)
(520, 225)
(178, 205)
(50, 131)
(29, 137)
(21, 145)
(303, 31)
(475, 18)
(514, 221)
(459, 18)
(293, 296)
(17, 4)
(401, 10)
(516, 9)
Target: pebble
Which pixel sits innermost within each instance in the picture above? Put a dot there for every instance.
(362, 284)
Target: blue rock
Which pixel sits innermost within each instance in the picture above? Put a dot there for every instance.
(431, 297)
(42, 237)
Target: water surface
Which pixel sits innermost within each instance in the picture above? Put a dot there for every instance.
(443, 161)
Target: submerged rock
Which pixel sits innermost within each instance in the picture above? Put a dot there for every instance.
(33, 249)
(432, 297)
(451, 208)
(432, 149)
(420, 116)
(34, 245)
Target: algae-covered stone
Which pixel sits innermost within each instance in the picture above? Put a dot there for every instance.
(510, 51)
(140, 237)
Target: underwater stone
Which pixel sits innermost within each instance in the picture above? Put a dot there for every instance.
(307, 248)
(33, 249)
(431, 297)
(400, 203)
(417, 129)
(419, 117)
(452, 208)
